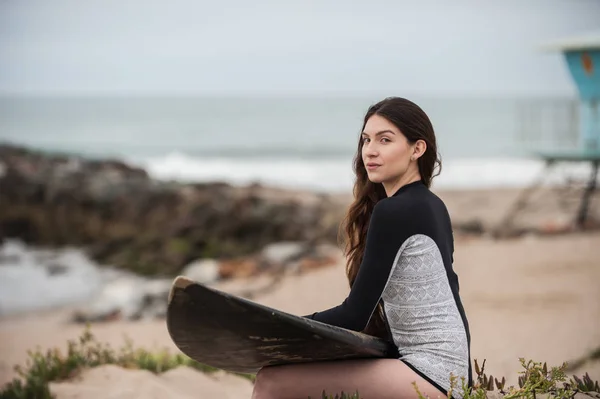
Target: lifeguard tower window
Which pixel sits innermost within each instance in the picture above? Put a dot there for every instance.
(566, 130)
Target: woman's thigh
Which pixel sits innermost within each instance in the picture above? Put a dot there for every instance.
(372, 378)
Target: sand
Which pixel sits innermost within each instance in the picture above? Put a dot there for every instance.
(532, 297)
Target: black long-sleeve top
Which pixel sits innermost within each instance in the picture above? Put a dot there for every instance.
(408, 263)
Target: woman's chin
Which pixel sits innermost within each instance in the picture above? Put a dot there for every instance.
(375, 179)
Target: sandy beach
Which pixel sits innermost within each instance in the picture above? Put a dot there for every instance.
(534, 297)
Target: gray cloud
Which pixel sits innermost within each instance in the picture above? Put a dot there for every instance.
(237, 46)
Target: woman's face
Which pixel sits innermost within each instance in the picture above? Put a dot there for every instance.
(386, 152)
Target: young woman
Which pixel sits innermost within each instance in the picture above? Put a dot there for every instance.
(399, 249)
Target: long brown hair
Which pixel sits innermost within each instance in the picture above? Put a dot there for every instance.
(415, 125)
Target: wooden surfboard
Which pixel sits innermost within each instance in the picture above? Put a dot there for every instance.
(239, 335)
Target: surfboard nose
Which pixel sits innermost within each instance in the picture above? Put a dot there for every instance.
(180, 282)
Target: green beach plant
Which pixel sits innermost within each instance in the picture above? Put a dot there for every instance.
(53, 365)
(535, 379)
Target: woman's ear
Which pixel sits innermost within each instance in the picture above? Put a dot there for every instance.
(419, 149)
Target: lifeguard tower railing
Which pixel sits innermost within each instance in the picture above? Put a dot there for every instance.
(548, 125)
(566, 130)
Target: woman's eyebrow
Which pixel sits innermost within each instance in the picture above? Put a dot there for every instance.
(379, 133)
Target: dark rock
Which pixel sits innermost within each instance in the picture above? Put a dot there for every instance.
(123, 218)
(55, 269)
(474, 227)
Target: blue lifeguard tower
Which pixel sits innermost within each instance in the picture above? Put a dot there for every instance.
(582, 56)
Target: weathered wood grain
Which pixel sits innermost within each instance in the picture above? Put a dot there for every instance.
(238, 335)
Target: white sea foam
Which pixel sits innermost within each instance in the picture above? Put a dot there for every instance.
(39, 279)
(336, 174)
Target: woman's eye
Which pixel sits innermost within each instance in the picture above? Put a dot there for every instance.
(385, 140)
(365, 139)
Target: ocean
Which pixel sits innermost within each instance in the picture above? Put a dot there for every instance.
(305, 143)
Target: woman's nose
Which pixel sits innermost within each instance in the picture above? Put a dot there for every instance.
(370, 150)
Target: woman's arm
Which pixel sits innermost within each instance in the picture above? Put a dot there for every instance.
(389, 228)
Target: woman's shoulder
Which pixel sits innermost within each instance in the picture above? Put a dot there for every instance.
(393, 208)
(424, 206)
(418, 198)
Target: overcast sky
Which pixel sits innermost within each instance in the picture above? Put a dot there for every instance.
(244, 46)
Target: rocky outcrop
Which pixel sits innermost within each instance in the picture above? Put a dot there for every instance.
(123, 218)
